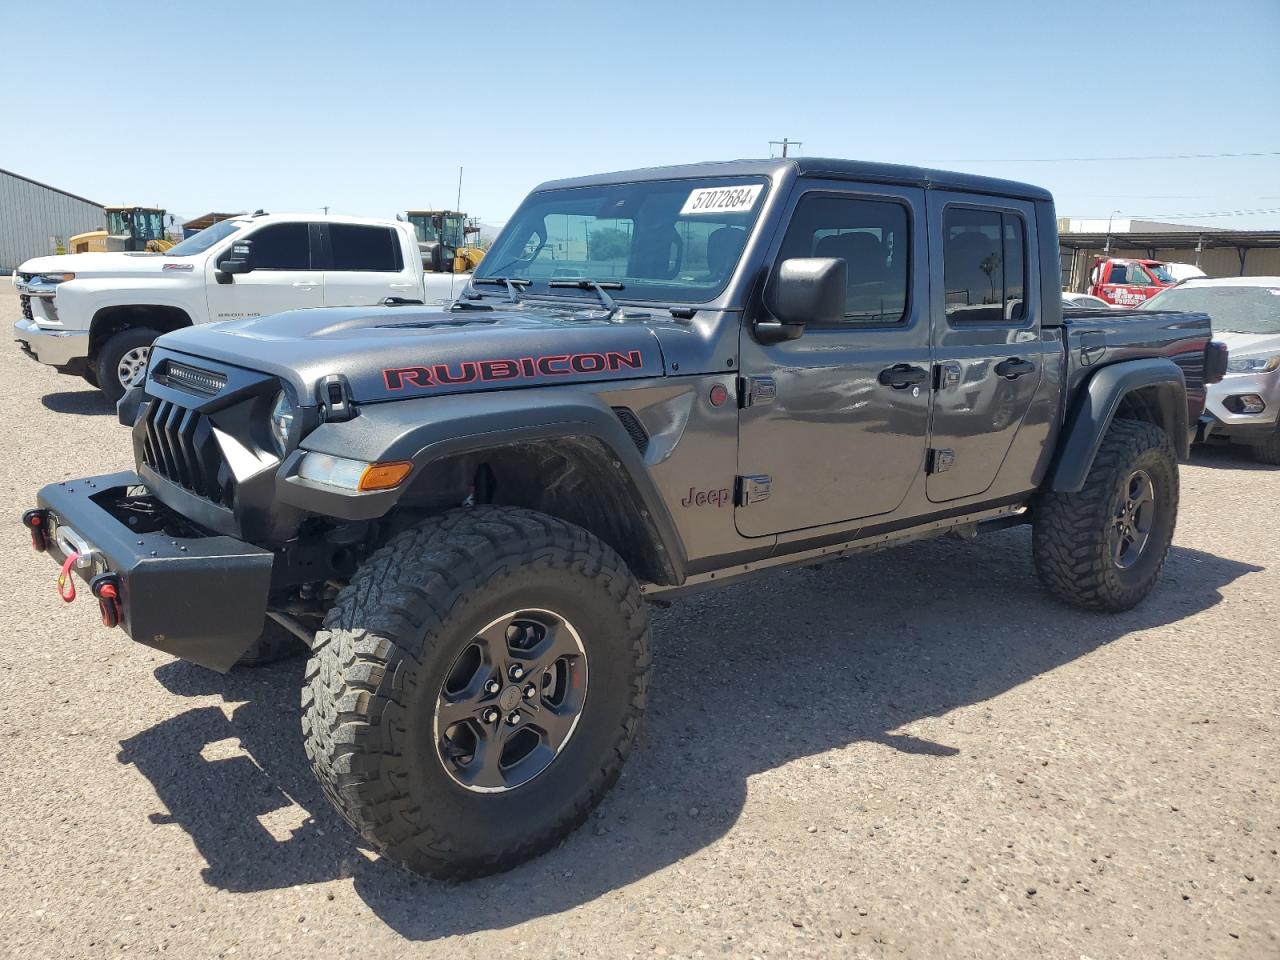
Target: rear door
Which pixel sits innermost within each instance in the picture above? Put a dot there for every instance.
(836, 420)
(366, 263)
(989, 357)
(285, 275)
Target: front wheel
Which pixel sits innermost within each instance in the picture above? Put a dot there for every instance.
(1104, 546)
(122, 360)
(1268, 451)
(476, 689)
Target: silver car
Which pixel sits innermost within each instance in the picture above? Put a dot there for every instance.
(1245, 311)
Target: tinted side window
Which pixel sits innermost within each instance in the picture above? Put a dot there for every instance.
(871, 236)
(365, 248)
(281, 246)
(985, 265)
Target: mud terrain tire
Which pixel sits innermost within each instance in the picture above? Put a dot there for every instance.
(1074, 534)
(381, 666)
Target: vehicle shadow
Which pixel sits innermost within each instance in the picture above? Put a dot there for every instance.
(1230, 456)
(88, 402)
(825, 657)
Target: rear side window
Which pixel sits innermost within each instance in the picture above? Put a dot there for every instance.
(871, 236)
(365, 248)
(985, 265)
(281, 246)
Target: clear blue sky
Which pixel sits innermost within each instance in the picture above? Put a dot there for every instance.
(371, 108)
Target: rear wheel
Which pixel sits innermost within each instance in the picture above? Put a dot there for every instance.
(1104, 546)
(476, 689)
(122, 359)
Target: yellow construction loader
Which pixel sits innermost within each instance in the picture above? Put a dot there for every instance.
(443, 240)
(131, 229)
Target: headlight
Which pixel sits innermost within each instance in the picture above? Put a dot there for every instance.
(57, 277)
(282, 414)
(357, 476)
(1253, 364)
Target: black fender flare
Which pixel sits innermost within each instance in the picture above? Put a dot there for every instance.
(429, 429)
(1096, 407)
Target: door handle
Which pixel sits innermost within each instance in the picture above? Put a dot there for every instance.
(1014, 367)
(402, 286)
(304, 284)
(902, 375)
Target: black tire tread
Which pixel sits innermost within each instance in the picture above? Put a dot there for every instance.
(1069, 542)
(353, 696)
(1268, 451)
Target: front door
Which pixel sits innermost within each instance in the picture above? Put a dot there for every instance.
(282, 277)
(837, 419)
(986, 332)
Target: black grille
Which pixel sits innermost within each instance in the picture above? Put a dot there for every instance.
(26, 306)
(180, 446)
(635, 429)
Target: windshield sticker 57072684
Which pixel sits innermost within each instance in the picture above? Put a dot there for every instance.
(738, 199)
(523, 368)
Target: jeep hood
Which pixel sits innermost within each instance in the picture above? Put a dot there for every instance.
(90, 265)
(390, 353)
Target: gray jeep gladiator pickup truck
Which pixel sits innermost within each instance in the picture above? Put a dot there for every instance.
(657, 381)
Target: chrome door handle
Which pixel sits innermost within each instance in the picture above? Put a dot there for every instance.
(304, 284)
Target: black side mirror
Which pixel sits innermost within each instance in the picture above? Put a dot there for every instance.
(808, 290)
(240, 259)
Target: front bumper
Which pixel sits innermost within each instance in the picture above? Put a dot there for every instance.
(1227, 423)
(58, 348)
(199, 597)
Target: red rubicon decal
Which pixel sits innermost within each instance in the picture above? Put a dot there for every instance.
(489, 371)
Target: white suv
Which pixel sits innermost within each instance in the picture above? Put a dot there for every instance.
(1246, 317)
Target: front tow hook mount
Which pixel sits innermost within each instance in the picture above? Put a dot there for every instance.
(106, 587)
(37, 521)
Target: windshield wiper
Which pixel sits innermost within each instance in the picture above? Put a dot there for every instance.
(597, 286)
(513, 285)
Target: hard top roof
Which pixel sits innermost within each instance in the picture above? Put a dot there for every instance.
(818, 167)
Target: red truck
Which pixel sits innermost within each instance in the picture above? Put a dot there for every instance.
(1127, 283)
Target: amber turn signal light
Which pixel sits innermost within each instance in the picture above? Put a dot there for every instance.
(384, 476)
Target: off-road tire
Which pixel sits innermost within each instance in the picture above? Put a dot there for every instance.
(1070, 530)
(274, 644)
(1268, 451)
(379, 663)
(110, 354)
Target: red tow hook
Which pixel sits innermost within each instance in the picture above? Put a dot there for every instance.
(37, 521)
(106, 587)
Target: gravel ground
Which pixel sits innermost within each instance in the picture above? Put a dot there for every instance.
(911, 754)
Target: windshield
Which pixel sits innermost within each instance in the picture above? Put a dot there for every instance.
(1160, 272)
(1232, 309)
(143, 224)
(202, 241)
(424, 228)
(666, 240)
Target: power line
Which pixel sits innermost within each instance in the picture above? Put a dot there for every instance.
(1193, 216)
(1166, 156)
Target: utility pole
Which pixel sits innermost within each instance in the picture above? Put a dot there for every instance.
(326, 211)
(784, 143)
(459, 206)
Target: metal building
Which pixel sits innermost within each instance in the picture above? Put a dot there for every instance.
(35, 218)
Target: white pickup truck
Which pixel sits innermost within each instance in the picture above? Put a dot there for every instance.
(96, 314)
